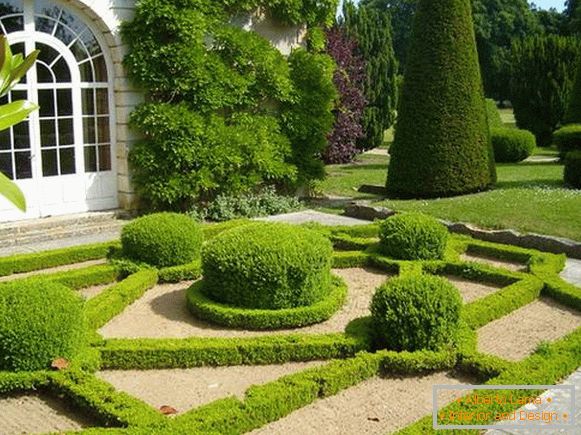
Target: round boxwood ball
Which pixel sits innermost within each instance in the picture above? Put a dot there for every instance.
(39, 322)
(413, 236)
(162, 239)
(416, 312)
(512, 145)
(268, 266)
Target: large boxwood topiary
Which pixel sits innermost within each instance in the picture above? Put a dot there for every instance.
(573, 169)
(39, 322)
(416, 312)
(162, 239)
(512, 145)
(568, 138)
(268, 266)
(413, 236)
(441, 145)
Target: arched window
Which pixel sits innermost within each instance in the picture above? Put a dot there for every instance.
(71, 133)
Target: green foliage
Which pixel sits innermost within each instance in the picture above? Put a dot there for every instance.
(541, 78)
(183, 272)
(413, 236)
(248, 205)
(442, 115)
(162, 239)
(102, 308)
(263, 319)
(224, 104)
(568, 138)
(573, 169)
(416, 312)
(12, 69)
(267, 266)
(39, 322)
(371, 29)
(147, 354)
(573, 113)
(22, 263)
(308, 118)
(188, 157)
(494, 118)
(512, 145)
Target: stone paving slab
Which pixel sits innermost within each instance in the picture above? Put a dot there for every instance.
(307, 216)
(572, 272)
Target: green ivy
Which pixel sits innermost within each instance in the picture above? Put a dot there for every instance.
(226, 111)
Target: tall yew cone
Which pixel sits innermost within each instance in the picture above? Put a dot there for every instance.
(573, 113)
(442, 145)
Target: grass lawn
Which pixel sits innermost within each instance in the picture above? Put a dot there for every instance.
(529, 197)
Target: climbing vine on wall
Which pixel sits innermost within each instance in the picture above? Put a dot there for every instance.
(226, 111)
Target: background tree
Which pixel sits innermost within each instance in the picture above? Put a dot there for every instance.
(349, 78)
(573, 15)
(541, 78)
(442, 145)
(372, 31)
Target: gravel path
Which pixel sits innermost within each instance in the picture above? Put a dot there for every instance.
(34, 413)
(184, 389)
(518, 334)
(162, 312)
(472, 290)
(495, 262)
(377, 406)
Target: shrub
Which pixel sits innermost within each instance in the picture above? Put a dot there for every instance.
(413, 236)
(162, 239)
(494, 118)
(568, 138)
(249, 205)
(573, 112)
(39, 322)
(441, 145)
(371, 28)
(512, 145)
(416, 312)
(541, 77)
(268, 266)
(349, 108)
(573, 169)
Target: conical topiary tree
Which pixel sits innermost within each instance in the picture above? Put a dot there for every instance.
(573, 113)
(442, 145)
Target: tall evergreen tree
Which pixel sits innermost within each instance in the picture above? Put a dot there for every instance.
(372, 31)
(442, 145)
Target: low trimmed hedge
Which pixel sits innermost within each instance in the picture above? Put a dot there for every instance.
(23, 263)
(162, 239)
(572, 175)
(146, 354)
(39, 322)
(416, 312)
(102, 308)
(413, 236)
(243, 318)
(567, 139)
(512, 145)
(267, 266)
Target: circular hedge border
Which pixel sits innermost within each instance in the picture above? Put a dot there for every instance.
(259, 319)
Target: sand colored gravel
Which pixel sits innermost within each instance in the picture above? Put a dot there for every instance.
(34, 413)
(513, 266)
(377, 406)
(162, 312)
(472, 290)
(53, 270)
(184, 389)
(96, 290)
(518, 334)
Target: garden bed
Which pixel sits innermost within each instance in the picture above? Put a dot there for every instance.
(150, 341)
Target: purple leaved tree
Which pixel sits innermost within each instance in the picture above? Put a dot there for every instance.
(349, 77)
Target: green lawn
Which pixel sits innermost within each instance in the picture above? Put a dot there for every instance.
(529, 197)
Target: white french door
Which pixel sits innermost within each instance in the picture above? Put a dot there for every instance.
(62, 157)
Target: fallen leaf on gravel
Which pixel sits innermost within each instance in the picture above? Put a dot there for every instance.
(60, 364)
(373, 419)
(168, 410)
